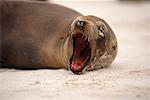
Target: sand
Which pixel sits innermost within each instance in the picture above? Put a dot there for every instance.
(128, 78)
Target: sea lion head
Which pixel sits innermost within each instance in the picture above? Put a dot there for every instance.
(89, 35)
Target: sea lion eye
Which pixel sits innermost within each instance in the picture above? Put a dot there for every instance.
(101, 31)
(102, 28)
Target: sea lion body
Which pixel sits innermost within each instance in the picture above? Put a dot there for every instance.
(32, 33)
(38, 35)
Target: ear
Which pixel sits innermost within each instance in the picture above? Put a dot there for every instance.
(102, 28)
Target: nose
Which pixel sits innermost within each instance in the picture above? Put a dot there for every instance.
(80, 23)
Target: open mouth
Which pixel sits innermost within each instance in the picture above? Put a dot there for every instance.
(81, 53)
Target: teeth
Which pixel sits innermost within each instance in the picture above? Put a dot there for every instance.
(87, 39)
(73, 33)
(83, 37)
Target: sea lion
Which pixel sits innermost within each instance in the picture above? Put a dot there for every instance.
(44, 35)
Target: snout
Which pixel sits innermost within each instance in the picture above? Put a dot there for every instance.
(80, 23)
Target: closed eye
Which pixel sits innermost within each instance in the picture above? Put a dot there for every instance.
(101, 32)
(101, 29)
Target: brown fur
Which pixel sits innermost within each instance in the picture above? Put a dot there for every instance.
(28, 29)
(104, 48)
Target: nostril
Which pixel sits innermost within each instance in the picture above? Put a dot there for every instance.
(80, 23)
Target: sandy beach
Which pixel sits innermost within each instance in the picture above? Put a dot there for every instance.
(128, 78)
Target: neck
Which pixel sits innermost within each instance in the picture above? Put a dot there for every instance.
(66, 52)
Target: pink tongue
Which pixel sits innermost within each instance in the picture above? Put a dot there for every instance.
(77, 65)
